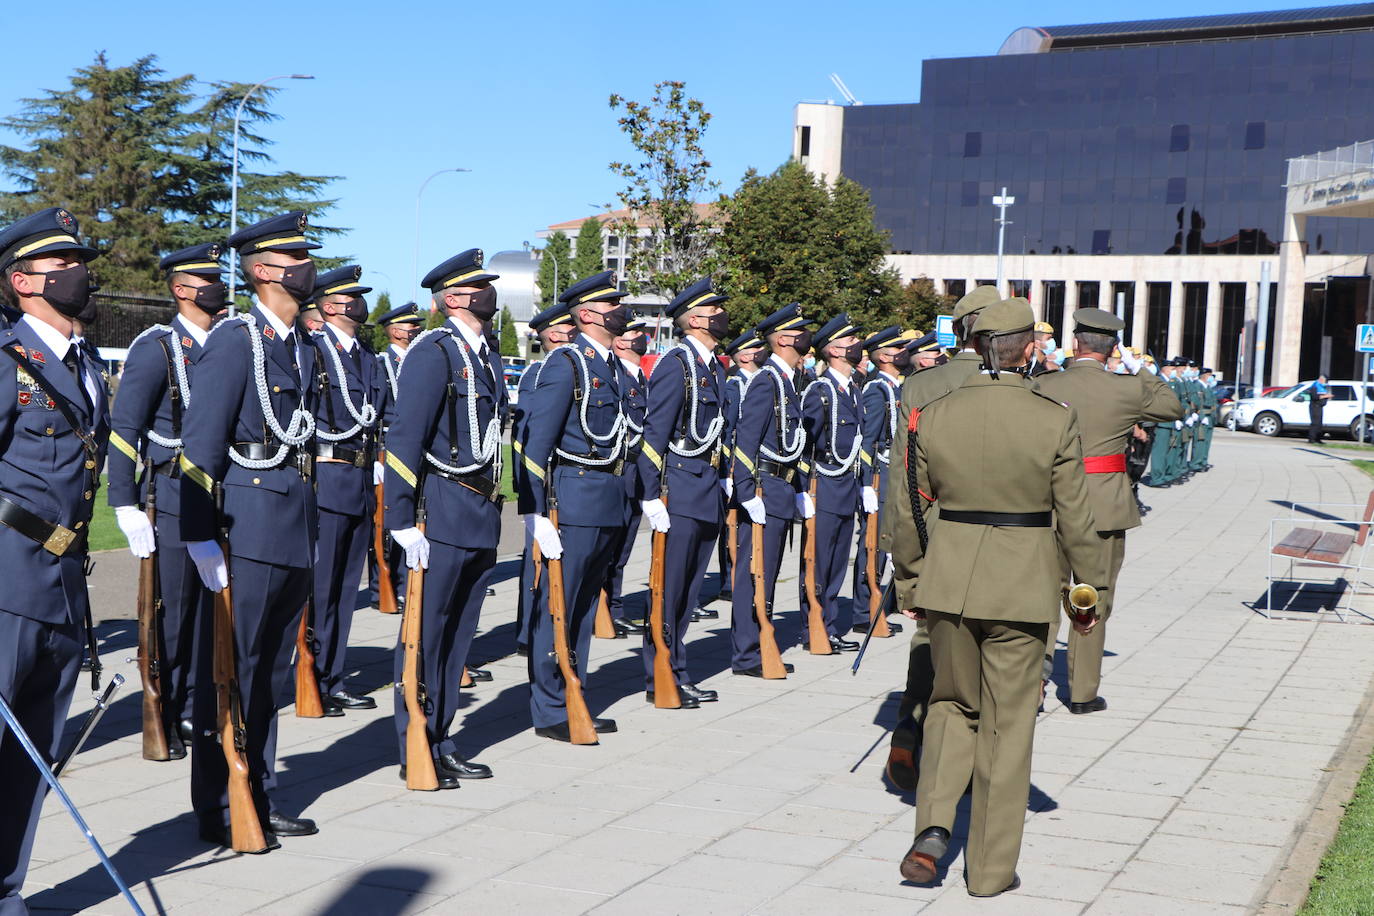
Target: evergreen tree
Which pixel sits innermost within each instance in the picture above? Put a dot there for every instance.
(587, 260)
(509, 341)
(556, 251)
(379, 339)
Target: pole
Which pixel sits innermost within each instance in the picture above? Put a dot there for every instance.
(234, 179)
(415, 260)
(1001, 202)
(1261, 329)
(1364, 390)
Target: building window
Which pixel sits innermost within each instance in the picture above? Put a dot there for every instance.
(1177, 191)
(1194, 320)
(1020, 288)
(1088, 292)
(954, 288)
(1053, 293)
(613, 242)
(1232, 328)
(612, 264)
(805, 143)
(973, 144)
(1254, 135)
(968, 194)
(1178, 138)
(1157, 327)
(1102, 241)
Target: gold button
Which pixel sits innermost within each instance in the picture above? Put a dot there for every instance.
(276, 389)
(89, 464)
(78, 525)
(256, 481)
(48, 431)
(87, 495)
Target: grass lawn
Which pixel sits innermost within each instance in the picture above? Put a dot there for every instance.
(1363, 465)
(1349, 446)
(1345, 882)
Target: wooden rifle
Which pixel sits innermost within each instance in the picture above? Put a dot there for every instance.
(603, 627)
(769, 655)
(665, 684)
(818, 638)
(580, 727)
(308, 704)
(245, 827)
(877, 620)
(386, 589)
(150, 644)
(732, 520)
(420, 773)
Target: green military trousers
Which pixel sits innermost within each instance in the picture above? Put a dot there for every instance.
(1085, 652)
(911, 715)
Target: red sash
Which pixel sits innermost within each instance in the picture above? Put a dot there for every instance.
(1104, 464)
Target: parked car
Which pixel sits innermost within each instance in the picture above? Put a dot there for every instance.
(1286, 409)
(1227, 396)
(512, 380)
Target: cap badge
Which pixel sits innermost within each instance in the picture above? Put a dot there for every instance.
(66, 220)
(213, 252)
(301, 222)
(477, 261)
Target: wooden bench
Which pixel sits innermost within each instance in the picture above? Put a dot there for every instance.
(1325, 547)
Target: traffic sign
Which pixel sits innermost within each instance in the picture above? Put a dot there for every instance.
(1364, 338)
(944, 331)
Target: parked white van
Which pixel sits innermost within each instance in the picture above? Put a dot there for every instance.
(1286, 409)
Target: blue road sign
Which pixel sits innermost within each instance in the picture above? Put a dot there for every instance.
(944, 331)
(1364, 338)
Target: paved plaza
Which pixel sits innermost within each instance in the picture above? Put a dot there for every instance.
(1186, 796)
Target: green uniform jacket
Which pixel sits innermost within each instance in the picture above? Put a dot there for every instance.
(1108, 405)
(998, 445)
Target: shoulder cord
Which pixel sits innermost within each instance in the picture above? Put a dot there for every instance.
(791, 450)
(485, 450)
(885, 454)
(634, 431)
(179, 387)
(615, 439)
(842, 465)
(364, 416)
(392, 381)
(711, 437)
(302, 425)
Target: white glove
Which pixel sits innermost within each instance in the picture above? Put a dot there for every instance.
(754, 506)
(546, 535)
(1206, 421)
(728, 485)
(1130, 361)
(870, 498)
(1178, 424)
(416, 546)
(805, 507)
(378, 473)
(133, 521)
(657, 514)
(1192, 418)
(209, 560)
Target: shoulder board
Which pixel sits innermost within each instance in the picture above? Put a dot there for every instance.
(149, 332)
(435, 334)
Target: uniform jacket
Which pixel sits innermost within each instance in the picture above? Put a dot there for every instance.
(997, 445)
(1108, 405)
(634, 401)
(519, 429)
(759, 414)
(457, 515)
(344, 488)
(736, 383)
(826, 398)
(693, 483)
(388, 381)
(271, 514)
(879, 398)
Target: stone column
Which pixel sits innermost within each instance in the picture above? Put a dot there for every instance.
(1211, 338)
(1175, 319)
(1285, 337)
(1141, 317)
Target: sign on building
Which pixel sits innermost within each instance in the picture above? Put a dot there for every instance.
(944, 331)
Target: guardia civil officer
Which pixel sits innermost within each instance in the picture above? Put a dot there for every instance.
(629, 348)
(575, 459)
(1207, 420)
(1108, 406)
(346, 470)
(989, 587)
(554, 325)
(889, 354)
(684, 487)
(747, 353)
(769, 485)
(250, 436)
(54, 423)
(444, 446)
(833, 418)
(146, 425)
(919, 390)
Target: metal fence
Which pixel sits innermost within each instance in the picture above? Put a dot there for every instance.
(123, 316)
(1340, 161)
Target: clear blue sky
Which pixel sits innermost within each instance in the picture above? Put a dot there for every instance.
(517, 91)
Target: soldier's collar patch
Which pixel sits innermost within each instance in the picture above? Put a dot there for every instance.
(24, 398)
(268, 332)
(186, 342)
(588, 352)
(38, 357)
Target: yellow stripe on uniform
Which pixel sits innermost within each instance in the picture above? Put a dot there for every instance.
(587, 297)
(804, 467)
(865, 456)
(194, 265)
(43, 242)
(533, 467)
(744, 459)
(461, 277)
(119, 442)
(395, 464)
(267, 244)
(518, 447)
(652, 454)
(700, 299)
(201, 478)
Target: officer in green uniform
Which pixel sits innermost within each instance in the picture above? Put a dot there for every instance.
(1207, 421)
(989, 587)
(1163, 471)
(1108, 406)
(919, 390)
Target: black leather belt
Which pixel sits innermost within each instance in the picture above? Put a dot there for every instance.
(359, 458)
(616, 467)
(1000, 519)
(302, 461)
(784, 472)
(56, 539)
(170, 469)
(479, 483)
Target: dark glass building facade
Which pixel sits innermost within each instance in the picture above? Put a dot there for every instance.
(1112, 146)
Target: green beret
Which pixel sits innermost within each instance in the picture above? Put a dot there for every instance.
(980, 298)
(1005, 317)
(1097, 320)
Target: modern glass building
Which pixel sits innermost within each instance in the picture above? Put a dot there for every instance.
(1148, 162)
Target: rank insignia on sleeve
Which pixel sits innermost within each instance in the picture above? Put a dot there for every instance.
(187, 342)
(38, 357)
(24, 398)
(269, 332)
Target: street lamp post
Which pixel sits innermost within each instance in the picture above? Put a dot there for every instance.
(1001, 202)
(415, 261)
(234, 179)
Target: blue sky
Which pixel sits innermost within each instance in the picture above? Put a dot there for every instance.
(517, 92)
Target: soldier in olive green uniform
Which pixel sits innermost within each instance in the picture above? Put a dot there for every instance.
(919, 390)
(1207, 422)
(1163, 468)
(1108, 405)
(989, 586)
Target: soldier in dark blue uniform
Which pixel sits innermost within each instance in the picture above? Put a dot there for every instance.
(682, 465)
(629, 348)
(54, 429)
(769, 483)
(880, 395)
(402, 324)
(554, 325)
(833, 423)
(250, 435)
(146, 425)
(444, 446)
(574, 461)
(747, 353)
(348, 391)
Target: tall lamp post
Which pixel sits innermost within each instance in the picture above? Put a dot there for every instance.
(415, 261)
(1001, 202)
(234, 180)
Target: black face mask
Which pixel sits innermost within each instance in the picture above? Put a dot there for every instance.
(616, 320)
(902, 360)
(298, 280)
(67, 290)
(718, 326)
(356, 309)
(803, 342)
(482, 303)
(89, 314)
(210, 299)
(854, 354)
(640, 344)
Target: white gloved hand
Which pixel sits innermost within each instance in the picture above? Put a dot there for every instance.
(545, 535)
(416, 546)
(1206, 421)
(657, 514)
(728, 485)
(1178, 424)
(870, 499)
(378, 473)
(133, 521)
(805, 507)
(1131, 361)
(209, 560)
(754, 506)
(1192, 418)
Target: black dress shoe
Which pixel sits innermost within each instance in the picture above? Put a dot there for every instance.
(706, 613)
(901, 768)
(446, 779)
(186, 730)
(688, 702)
(491, 592)
(605, 726)
(1094, 705)
(757, 670)
(697, 693)
(332, 710)
(479, 674)
(220, 836)
(843, 645)
(282, 825)
(349, 701)
(725, 594)
(1015, 883)
(557, 732)
(922, 860)
(522, 651)
(461, 768)
(625, 628)
(176, 749)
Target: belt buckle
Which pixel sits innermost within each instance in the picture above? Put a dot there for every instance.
(619, 467)
(59, 540)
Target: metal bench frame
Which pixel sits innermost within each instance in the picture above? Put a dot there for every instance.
(1354, 558)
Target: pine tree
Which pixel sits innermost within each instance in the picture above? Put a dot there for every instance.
(556, 251)
(588, 260)
(379, 339)
(509, 342)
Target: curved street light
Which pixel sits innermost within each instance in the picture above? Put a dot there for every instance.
(415, 260)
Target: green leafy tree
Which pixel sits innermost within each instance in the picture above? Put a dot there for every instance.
(379, 340)
(556, 252)
(509, 342)
(587, 260)
(665, 188)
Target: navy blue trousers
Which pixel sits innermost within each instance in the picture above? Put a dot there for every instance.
(527, 606)
(455, 587)
(622, 552)
(833, 536)
(342, 547)
(744, 626)
(395, 559)
(861, 594)
(687, 553)
(39, 663)
(187, 618)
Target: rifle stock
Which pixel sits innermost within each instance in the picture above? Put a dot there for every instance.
(420, 773)
(665, 684)
(308, 705)
(732, 519)
(817, 638)
(603, 628)
(580, 727)
(877, 621)
(769, 655)
(150, 647)
(386, 589)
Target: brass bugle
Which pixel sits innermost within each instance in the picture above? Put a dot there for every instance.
(1079, 603)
